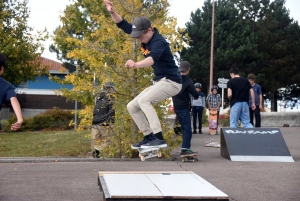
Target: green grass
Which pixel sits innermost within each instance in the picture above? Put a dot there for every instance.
(40, 144)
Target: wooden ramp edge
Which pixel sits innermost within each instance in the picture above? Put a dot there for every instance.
(101, 173)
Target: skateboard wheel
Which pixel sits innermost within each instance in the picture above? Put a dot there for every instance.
(183, 160)
(159, 154)
(142, 158)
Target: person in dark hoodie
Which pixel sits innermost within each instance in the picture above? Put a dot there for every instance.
(166, 83)
(181, 104)
(103, 119)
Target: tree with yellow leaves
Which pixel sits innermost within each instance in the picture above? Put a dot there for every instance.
(102, 49)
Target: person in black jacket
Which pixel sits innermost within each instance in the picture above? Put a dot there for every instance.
(167, 81)
(103, 119)
(181, 104)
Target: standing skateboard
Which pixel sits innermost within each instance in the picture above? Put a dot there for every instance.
(189, 158)
(212, 143)
(145, 153)
(213, 121)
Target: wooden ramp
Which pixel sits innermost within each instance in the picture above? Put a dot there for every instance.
(157, 186)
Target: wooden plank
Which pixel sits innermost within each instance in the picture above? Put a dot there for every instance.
(101, 173)
(181, 186)
(130, 186)
(157, 186)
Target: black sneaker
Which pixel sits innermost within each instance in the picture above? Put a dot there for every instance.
(188, 152)
(200, 131)
(155, 143)
(194, 132)
(139, 144)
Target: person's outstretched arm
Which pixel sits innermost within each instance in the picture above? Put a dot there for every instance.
(110, 8)
(16, 106)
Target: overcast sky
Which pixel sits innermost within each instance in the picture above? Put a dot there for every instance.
(45, 13)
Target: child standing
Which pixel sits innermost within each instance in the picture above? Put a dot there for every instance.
(214, 101)
(182, 108)
(198, 106)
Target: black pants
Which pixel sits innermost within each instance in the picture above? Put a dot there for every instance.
(197, 112)
(256, 113)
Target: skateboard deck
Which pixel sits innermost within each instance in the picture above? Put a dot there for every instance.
(213, 122)
(145, 153)
(189, 158)
(212, 143)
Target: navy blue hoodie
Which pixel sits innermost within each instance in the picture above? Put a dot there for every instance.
(182, 99)
(159, 49)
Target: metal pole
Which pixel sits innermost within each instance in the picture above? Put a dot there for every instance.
(75, 125)
(222, 100)
(212, 46)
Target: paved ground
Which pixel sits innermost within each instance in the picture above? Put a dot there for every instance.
(74, 181)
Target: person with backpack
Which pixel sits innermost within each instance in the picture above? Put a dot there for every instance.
(103, 120)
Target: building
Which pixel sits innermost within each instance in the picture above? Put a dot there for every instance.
(37, 96)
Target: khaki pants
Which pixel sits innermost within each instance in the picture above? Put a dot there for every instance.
(100, 136)
(140, 108)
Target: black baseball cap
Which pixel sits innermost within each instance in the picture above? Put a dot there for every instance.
(139, 25)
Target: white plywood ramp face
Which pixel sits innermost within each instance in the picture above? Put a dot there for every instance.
(158, 185)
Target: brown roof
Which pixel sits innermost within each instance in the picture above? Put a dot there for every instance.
(53, 65)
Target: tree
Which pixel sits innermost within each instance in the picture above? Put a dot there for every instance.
(21, 47)
(279, 39)
(257, 36)
(235, 42)
(89, 35)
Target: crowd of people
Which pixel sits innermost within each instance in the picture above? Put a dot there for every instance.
(169, 81)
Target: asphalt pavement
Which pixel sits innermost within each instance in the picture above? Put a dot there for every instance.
(55, 179)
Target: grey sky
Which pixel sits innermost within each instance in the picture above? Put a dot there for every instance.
(45, 13)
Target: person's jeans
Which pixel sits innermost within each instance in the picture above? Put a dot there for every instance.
(257, 116)
(185, 122)
(240, 111)
(197, 112)
(141, 109)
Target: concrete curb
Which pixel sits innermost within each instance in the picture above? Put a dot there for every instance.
(56, 160)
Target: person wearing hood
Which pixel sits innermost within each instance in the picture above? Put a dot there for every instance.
(181, 103)
(103, 119)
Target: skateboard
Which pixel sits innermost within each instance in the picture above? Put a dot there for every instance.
(212, 143)
(189, 158)
(213, 121)
(145, 153)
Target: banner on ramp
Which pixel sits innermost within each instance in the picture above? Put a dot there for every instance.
(254, 144)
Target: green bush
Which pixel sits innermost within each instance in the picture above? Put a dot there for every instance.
(52, 119)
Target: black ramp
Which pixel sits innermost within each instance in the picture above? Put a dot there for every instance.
(254, 144)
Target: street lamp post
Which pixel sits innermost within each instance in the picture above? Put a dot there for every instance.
(212, 46)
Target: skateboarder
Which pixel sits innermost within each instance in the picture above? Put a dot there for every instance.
(181, 104)
(7, 94)
(238, 89)
(198, 106)
(258, 101)
(103, 119)
(166, 82)
(214, 102)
